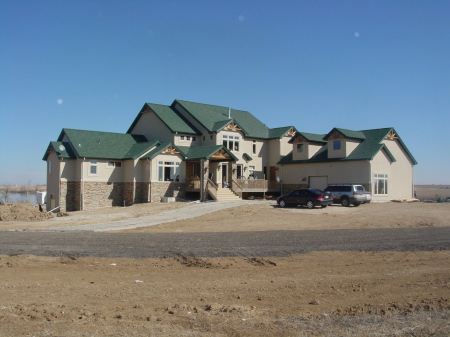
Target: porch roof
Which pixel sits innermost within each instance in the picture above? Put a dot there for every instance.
(212, 152)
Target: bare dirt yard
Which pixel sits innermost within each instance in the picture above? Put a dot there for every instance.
(315, 294)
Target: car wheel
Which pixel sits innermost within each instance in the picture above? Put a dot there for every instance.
(356, 204)
(309, 204)
(345, 202)
(324, 206)
(282, 204)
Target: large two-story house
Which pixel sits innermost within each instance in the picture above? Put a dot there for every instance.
(204, 150)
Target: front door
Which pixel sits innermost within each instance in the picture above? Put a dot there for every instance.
(239, 171)
(224, 173)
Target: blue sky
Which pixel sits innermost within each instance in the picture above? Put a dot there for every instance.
(312, 64)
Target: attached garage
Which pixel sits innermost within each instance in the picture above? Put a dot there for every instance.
(319, 182)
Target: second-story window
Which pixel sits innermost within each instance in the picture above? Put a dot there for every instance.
(254, 147)
(299, 148)
(231, 142)
(337, 144)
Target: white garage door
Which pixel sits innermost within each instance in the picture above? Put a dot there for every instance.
(319, 182)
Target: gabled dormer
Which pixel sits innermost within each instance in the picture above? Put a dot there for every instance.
(305, 145)
(342, 142)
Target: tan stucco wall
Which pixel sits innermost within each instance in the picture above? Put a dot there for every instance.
(309, 150)
(153, 128)
(351, 172)
(53, 180)
(400, 172)
(347, 146)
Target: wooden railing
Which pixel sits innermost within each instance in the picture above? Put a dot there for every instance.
(192, 184)
(252, 185)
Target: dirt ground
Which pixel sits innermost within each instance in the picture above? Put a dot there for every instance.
(314, 294)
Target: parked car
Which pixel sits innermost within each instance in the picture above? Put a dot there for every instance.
(347, 194)
(309, 197)
(368, 198)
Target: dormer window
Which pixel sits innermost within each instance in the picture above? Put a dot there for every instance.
(299, 148)
(336, 144)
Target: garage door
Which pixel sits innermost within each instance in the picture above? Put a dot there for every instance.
(319, 182)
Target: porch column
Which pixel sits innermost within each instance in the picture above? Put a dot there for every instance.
(204, 171)
(232, 172)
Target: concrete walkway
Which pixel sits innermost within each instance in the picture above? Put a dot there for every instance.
(191, 211)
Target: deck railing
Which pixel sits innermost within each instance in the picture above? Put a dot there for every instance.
(192, 184)
(238, 185)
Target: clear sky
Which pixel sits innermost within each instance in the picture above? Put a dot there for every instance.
(315, 65)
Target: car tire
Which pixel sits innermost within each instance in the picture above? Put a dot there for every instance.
(356, 204)
(345, 202)
(282, 203)
(309, 204)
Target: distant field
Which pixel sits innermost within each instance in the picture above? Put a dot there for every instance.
(23, 188)
(432, 192)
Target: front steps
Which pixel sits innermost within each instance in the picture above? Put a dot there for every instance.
(226, 194)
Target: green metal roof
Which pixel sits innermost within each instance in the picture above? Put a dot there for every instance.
(106, 145)
(174, 121)
(366, 150)
(247, 157)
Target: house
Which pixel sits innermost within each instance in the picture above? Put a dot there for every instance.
(377, 159)
(198, 149)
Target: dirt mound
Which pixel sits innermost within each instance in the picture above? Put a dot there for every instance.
(23, 212)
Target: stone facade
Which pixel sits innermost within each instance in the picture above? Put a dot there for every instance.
(166, 189)
(70, 192)
(102, 194)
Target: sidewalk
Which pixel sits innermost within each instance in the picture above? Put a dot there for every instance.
(191, 211)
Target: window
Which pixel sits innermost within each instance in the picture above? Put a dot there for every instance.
(194, 139)
(251, 171)
(211, 137)
(93, 167)
(254, 147)
(203, 138)
(168, 171)
(299, 148)
(231, 142)
(181, 137)
(188, 138)
(112, 164)
(49, 167)
(380, 184)
(336, 144)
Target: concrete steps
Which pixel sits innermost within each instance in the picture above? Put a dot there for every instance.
(226, 194)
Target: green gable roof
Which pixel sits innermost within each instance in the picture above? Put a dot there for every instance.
(366, 150)
(214, 118)
(174, 121)
(204, 152)
(347, 133)
(279, 132)
(63, 150)
(106, 145)
(310, 137)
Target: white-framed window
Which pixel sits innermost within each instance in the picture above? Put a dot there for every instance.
(181, 138)
(299, 148)
(168, 171)
(251, 171)
(49, 167)
(254, 147)
(337, 144)
(93, 167)
(231, 142)
(211, 137)
(380, 183)
(112, 164)
(188, 138)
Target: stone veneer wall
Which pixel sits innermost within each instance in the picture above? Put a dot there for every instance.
(69, 199)
(166, 189)
(102, 194)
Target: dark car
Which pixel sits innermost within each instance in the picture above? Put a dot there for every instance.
(310, 197)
